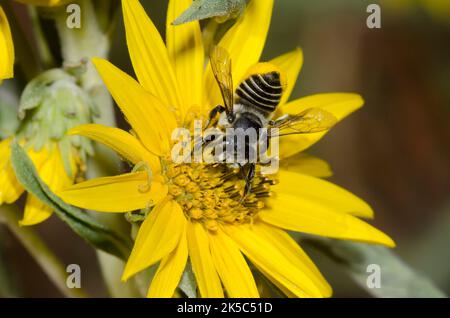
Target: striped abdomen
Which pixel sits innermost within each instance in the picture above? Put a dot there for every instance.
(262, 91)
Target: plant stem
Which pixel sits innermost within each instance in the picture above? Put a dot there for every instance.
(50, 264)
(45, 54)
(80, 45)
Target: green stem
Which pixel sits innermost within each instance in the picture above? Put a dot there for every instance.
(81, 45)
(50, 264)
(44, 51)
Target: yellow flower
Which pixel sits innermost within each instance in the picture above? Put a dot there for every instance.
(6, 48)
(53, 103)
(196, 209)
(50, 165)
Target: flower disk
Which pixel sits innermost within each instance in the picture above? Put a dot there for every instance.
(213, 194)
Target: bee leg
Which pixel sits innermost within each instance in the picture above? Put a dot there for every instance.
(249, 180)
(213, 113)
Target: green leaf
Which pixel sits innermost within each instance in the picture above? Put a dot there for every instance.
(203, 9)
(188, 284)
(36, 90)
(95, 233)
(9, 122)
(397, 279)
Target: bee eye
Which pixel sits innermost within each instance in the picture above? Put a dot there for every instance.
(231, 118)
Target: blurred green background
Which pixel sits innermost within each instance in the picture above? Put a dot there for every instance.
(394, 153)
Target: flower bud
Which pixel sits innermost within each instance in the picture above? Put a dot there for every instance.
(50, 105)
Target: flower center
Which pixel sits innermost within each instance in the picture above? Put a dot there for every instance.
(213, 194)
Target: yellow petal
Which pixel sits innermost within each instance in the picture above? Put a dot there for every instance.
(53, 173)
(158, 235)
(262, 252)
(149, 55)
(185, 47)
(289, 247)
(291, 64)
(232, 268)
(274, 281)
(208, 281)
(244, 42)
(35, 211)
(6, 48)
(169, 271)
(151, 121)
(339, 104)
(307, 164)
(10, 188)
(123, 193)
(322, 192)
(40, 157)
(298, 214)
(126, 145)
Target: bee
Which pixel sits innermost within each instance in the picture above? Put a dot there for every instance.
(253, 105)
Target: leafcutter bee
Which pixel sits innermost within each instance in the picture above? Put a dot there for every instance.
(253, 104)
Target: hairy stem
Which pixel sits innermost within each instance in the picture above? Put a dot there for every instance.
(45, 54)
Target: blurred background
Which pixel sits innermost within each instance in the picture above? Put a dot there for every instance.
(394, 152)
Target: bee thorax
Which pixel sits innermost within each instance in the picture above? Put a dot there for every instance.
(245, 117)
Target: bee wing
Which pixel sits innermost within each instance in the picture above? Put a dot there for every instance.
(312, 120)
(221, 67)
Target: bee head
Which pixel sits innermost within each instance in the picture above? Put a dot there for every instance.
(231, 117)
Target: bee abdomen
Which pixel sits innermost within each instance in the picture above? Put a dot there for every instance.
(263, 91)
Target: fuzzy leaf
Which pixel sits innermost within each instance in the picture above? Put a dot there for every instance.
(9, 122)
(35, 90)
(203, 9)
(188, 284)
(95, 233)
(398, 279)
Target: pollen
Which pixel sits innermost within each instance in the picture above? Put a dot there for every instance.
(213, 194)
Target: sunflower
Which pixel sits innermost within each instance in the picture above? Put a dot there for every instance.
(195, 211)
(6, 48)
